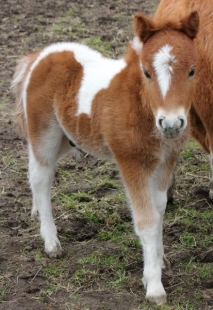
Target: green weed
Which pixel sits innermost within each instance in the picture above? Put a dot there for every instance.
(121, 278)
(84, 276)
(38, 256)
(205, 271)
(53, 288)
(8, 160)
(99, 45)
(187, 154)
(69, 12)
(52, 270)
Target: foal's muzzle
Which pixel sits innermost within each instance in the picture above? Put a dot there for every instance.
(171, 126)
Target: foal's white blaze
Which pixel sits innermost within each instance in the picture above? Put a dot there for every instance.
(98, 72)
(162, 62)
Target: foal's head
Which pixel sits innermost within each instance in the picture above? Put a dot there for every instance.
(168, 62)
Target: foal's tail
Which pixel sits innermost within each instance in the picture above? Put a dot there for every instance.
(17, 88)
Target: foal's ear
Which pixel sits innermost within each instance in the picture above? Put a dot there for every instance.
(143, 27)
(190, 25)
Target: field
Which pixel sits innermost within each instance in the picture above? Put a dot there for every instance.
(102, 263)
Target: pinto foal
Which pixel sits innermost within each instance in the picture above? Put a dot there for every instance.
(202, 108)
(132, 110)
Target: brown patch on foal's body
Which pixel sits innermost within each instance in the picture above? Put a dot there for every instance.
(49, 83)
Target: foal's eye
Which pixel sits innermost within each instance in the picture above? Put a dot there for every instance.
(146, 73)
(192, 72)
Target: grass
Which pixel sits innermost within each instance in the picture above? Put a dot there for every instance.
(2, 104)
(93, 268)
(97, 43)
(103, 262)
(8, 160)
(69, 12)
(205, 271)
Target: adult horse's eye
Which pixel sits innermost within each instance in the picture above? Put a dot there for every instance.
(146, 73)
(192, 72)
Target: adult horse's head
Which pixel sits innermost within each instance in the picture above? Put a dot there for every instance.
(168, 62)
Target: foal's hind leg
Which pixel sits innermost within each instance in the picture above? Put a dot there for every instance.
(43, 155)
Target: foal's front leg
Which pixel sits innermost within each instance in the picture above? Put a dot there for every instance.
(147, 217)
(153, 250)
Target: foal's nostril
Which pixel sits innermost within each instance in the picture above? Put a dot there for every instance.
(182, 122)
(160, 121)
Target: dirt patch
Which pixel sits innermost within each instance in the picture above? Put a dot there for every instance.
(102, 265)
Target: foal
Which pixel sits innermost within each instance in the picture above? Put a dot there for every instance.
(133, 110)
(202, 109)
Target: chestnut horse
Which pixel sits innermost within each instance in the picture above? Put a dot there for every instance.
(133, 110)
(202, 108)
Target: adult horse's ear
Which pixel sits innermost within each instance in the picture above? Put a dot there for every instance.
(143, 27)
(190, 25)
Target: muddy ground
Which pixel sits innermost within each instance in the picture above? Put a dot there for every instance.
(82, 279)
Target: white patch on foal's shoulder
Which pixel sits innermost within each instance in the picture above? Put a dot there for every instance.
(162, 63)
(97, 74)
(137, 45)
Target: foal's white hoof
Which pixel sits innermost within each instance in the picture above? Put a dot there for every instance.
(155, 293)
(157, 299)
(54, 250)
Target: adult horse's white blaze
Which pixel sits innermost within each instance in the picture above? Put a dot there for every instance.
(162, 63)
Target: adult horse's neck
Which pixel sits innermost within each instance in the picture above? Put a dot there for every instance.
(171, 10)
